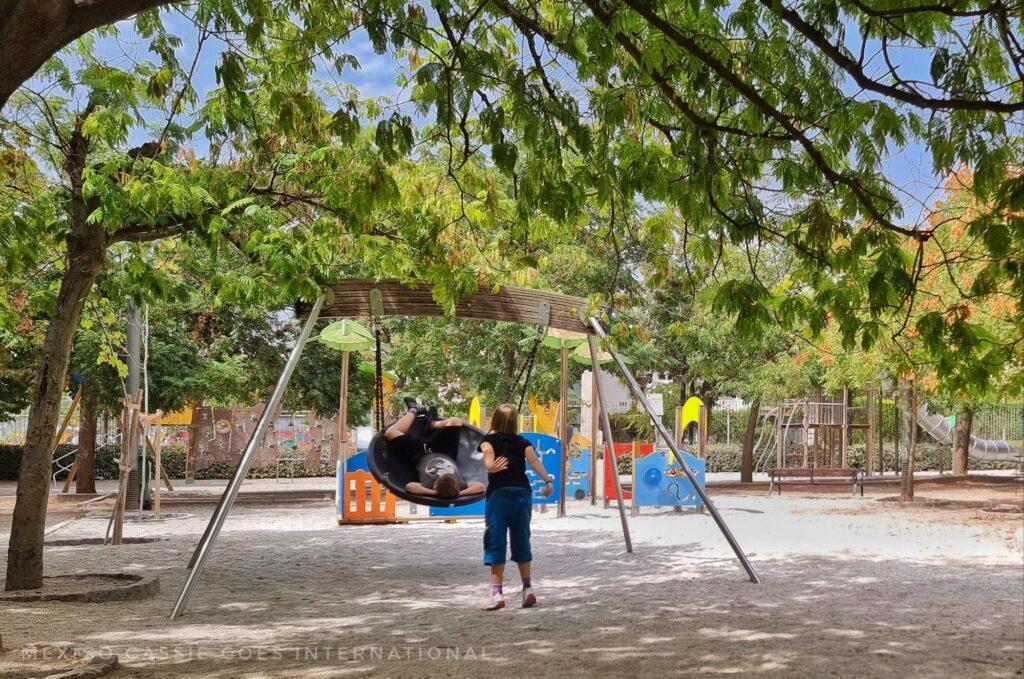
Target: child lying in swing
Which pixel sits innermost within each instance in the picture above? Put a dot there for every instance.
(434, 460)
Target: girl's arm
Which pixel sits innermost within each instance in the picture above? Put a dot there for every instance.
(418, 488)
(474, 488)
(492, 462)
(534, 461)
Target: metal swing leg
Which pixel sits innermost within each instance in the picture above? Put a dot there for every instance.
(610, 458)
(639, 393)
(228, 498)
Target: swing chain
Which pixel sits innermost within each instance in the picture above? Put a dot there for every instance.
(526, 369)
(379, 378)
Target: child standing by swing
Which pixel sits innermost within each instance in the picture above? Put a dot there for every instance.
(509, 502)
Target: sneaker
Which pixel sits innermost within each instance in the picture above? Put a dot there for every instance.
(432, 415)
(497, 601)
(529, 599)
(412, 405)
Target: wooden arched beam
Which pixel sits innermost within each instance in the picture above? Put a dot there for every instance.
(351, 298)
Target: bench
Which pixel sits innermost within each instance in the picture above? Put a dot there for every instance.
(816, 475)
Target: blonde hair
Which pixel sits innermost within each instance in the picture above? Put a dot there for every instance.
(505, 419)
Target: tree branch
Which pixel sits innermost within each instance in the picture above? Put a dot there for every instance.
(854, 69)
(750, 93)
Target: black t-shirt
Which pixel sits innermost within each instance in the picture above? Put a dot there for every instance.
(433, 466)
(513, 447)
(408, 447)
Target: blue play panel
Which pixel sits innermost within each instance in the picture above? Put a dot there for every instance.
(549, 450)
(577, 481)
(659, 484)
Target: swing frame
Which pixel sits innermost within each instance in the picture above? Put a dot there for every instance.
(354, 297)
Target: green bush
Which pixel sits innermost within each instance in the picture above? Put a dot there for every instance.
(173, 460)
(726, 458)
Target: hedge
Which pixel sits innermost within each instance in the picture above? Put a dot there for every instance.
(173, 460)
(721, 457)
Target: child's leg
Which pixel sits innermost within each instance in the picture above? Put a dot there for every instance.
(401, 426)
(519, 511)
(497, 576)
(524, 572)
(519, 534)
(495, 538)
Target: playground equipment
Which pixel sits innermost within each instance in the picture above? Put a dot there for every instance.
(816, 432)
(359, 498)
(658, 482)
(364, 501)
(985, 450)
(578, 475)
(636, 450)
(365, 297)
(394, 473)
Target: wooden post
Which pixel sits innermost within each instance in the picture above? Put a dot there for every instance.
(67, 417)
(634, 509)
(60, 433)
(845, 431)
(881, 432)
(609, 459)
(563, 427)
(193, 445)
(594, 437)
(869, 442)
(677, 430)
(343, 424)
(778, 438)
(806, 422)
(129, 434)
(157, 464)
(702, 432)
(163, 472)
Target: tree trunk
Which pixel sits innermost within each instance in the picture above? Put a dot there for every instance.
(25, 549)
(193, 444)
(747, 459)
(962, 441)
(908, 403)
(32, 31)
(85, 476)
(85, 248)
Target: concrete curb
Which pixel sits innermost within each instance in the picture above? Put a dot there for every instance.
(123, 587)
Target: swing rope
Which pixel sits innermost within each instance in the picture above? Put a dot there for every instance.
(526, 369)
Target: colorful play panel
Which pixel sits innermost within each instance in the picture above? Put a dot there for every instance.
(658, 482)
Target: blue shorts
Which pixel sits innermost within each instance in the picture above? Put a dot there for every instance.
(507, 517)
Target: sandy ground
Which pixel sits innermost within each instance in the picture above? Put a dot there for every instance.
(850, 587)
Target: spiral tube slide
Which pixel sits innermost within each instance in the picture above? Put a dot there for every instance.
(984, 450)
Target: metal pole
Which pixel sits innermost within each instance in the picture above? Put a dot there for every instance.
(639, 393)
(343, 431)
(594, 415)
(610, 458)
(563, 428)
(228, 498)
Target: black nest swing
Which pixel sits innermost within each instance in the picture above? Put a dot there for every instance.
(393, 471)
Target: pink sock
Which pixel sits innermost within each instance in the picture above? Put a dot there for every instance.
(495, 589)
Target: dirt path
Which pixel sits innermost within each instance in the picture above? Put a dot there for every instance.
(851, 588)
